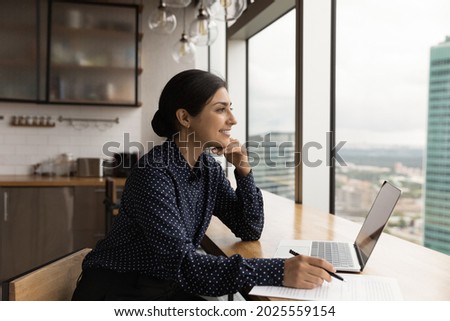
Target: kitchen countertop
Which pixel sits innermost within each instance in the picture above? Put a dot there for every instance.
(54, 181)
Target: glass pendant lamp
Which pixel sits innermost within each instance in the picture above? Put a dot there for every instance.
(225, 10)
(184, 50)
(203, 30)
(162, 20)
(178, 3)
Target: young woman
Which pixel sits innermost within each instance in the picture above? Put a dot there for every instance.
(167, 204)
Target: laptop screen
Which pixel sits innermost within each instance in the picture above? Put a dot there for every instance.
(376, 219)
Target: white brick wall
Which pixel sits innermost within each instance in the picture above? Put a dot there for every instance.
(21, 147)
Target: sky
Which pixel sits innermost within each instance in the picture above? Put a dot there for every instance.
(272, 78)
(382, 66)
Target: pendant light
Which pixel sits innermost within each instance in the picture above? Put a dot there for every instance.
(178, 3)
(203, 30)
(225, 10)
(162, 20)
(184, 50)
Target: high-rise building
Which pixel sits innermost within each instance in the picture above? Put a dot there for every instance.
(437, 185)
(272, 159)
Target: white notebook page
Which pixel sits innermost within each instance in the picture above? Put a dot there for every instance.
(355, 288)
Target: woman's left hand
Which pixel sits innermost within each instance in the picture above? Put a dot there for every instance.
(236, 154)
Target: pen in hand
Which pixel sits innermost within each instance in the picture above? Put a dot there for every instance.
(330, 273)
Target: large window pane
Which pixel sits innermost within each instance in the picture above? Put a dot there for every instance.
(393, 73)
(271, 106)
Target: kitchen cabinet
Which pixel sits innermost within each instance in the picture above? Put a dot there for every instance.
(93, 53)
(18, 50)
(35, 226)
(70, 52)
(89, 219)
(42, 218)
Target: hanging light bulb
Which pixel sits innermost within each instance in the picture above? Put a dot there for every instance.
(184, 50)
(178, 3)
(225, 10)
(203, 30)
(162, 20)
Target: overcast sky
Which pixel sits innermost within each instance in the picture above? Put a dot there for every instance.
(383, 51)
(272, 78)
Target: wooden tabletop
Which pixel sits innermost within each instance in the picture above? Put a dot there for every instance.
(54, 181)
(422, 274)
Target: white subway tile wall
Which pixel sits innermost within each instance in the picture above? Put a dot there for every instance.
(23, 147)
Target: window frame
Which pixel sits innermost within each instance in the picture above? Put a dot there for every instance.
(251, 23)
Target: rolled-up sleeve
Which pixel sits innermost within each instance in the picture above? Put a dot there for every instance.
(242, 210)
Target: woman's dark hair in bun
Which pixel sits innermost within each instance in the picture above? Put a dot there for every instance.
(191, 90)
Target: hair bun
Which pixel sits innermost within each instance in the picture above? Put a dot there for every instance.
(160, 126)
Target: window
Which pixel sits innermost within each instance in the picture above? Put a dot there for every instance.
(271, 106)
(392, 74)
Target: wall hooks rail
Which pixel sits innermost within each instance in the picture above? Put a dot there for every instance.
(81, 123)
(70, 120)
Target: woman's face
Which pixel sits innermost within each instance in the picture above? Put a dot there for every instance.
(212, 126)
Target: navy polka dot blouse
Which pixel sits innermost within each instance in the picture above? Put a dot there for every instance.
(165, 210)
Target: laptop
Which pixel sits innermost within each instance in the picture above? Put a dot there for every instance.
(348, 257)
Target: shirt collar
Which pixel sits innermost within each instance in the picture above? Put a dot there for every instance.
(179, 160)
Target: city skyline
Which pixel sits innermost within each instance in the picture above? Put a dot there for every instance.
(382, 71)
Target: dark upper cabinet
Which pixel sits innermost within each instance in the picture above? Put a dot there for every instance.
(93, 53)
(19, 49)
(69, 52)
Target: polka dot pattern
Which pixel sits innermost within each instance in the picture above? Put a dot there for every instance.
(165, 210)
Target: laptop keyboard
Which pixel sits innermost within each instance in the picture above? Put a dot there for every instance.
(336, 253)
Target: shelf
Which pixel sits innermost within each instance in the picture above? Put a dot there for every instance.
(32, 121)
(95, 102)
(34, 126)
(93, 68)
(17, 64)
(93, 32)
(8, 27)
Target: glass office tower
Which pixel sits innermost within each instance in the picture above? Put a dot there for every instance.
(272, 160)
(437, 188)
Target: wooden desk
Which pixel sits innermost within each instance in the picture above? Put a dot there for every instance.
(422, 274)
